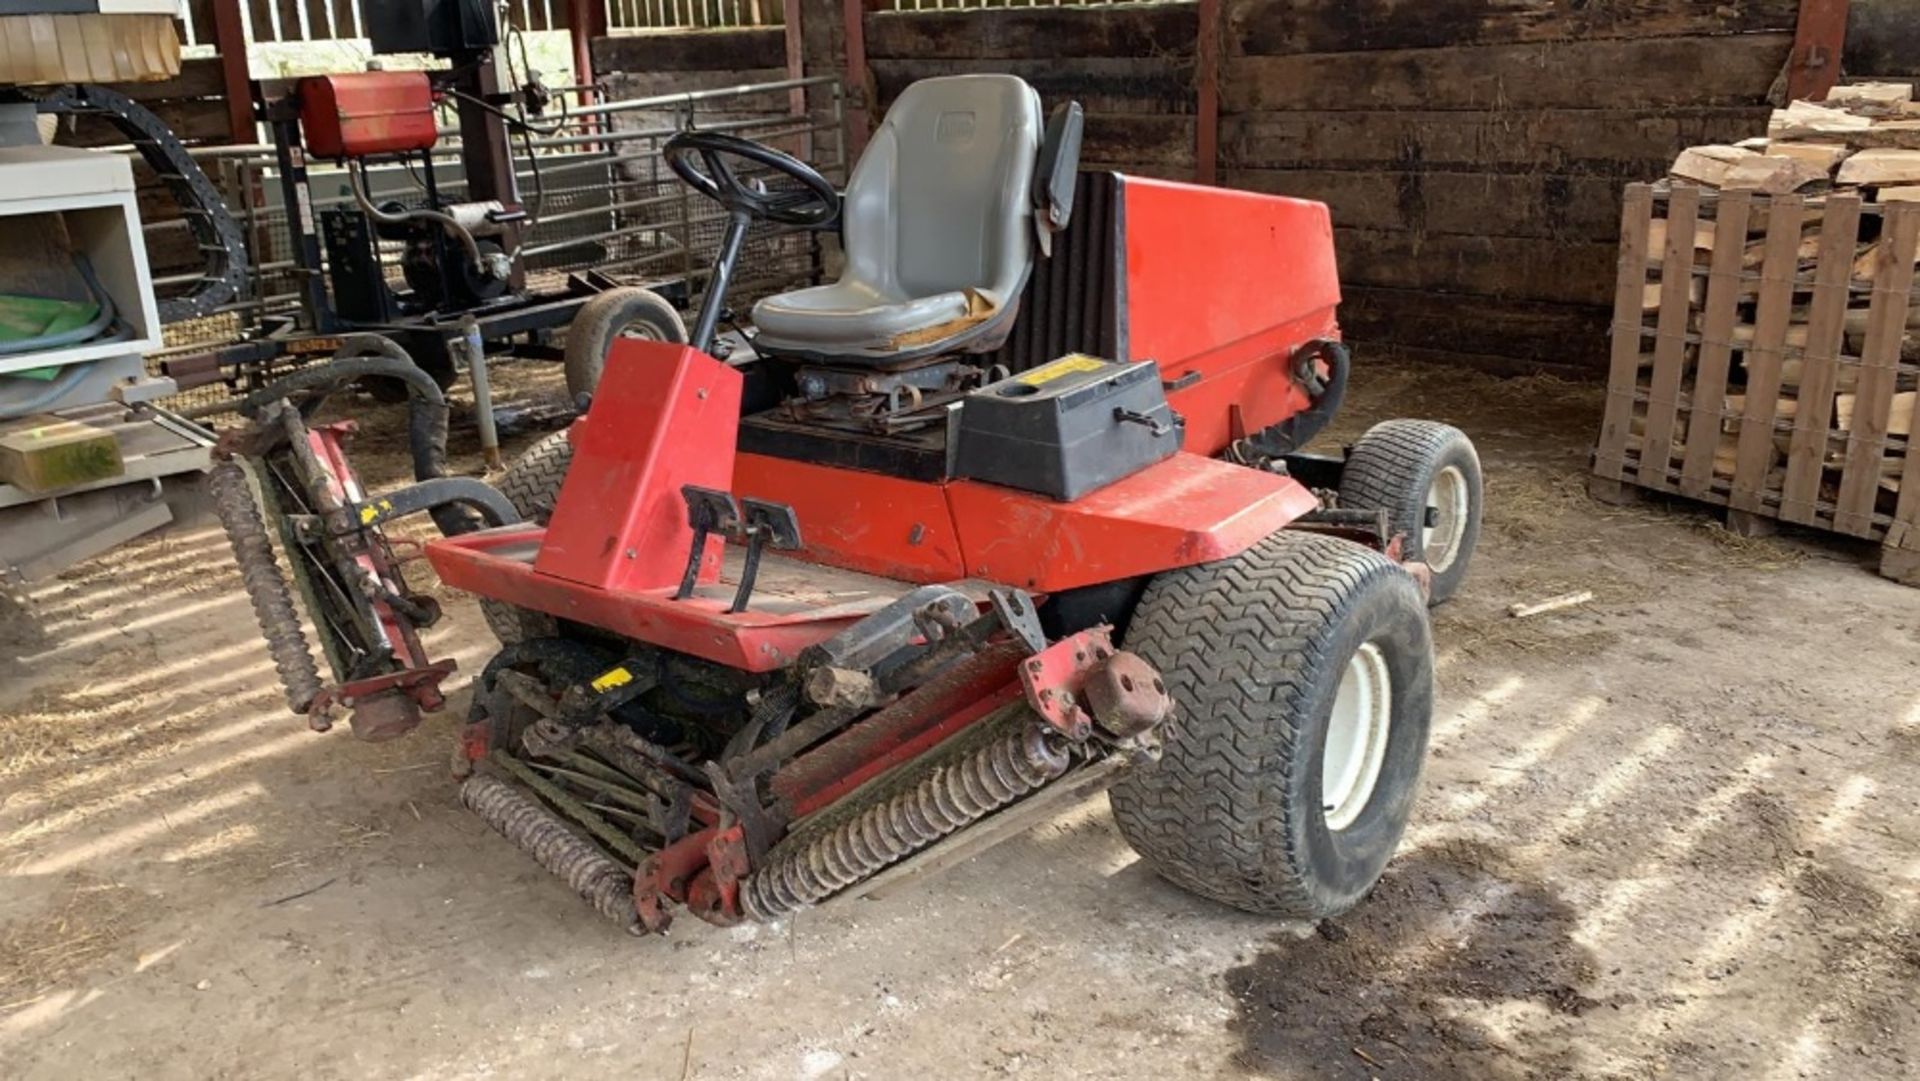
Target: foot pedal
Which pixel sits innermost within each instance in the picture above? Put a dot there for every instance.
(757, 523)
(709, 511)
(766, 524)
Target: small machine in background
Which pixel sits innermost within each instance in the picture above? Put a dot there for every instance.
(86, 456)
(462, 289)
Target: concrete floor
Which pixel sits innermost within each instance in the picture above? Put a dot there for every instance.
(1669, 833)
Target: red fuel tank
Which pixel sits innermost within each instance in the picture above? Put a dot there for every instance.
(367, 112)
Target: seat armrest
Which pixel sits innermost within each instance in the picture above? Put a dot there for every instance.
(1057, 172)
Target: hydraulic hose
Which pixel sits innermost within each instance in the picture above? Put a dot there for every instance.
(427, 410)
(1298, 430)
(444, 220)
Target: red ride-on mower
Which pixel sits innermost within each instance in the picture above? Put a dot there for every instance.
(1011, 513)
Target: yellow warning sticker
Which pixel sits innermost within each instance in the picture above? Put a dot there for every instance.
(372, 511)
(1065, 366)
(618, 677)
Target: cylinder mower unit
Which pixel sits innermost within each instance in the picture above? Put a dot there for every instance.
(1012, 513)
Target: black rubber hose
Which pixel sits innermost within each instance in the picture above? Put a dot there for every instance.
(1298, 430)
(427, 410)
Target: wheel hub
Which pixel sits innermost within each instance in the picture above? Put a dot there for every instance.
(1357, 731)
(1447, 499)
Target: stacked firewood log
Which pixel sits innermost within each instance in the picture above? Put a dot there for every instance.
(1862, 141)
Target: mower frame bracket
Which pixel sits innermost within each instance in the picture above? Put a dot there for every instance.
(1054, 678)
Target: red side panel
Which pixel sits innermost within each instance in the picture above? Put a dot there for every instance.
(358, 113)
(1185, 510)
(863, 521)
(1225, 285)
(663, 416)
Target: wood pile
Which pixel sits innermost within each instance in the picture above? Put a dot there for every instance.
(1865, 136)
(1766, 352)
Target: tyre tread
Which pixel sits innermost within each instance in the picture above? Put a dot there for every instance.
(531, 484)
(1241, 644)
(1387, 469)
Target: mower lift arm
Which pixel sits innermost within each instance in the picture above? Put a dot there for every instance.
(493, 507)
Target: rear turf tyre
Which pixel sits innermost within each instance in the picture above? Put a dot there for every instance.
(1302, 670)
(531, 484)
(1426, 476)
(615, 314)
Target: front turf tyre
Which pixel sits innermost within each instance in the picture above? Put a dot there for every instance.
(531, 484)
(1426, 476)
(1302, 673)
(615, 314)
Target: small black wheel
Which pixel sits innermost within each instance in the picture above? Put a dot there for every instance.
(615, 314)
(1302, 671)
(531, 484)
(1426, 475)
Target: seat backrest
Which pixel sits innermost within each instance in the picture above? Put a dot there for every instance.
(941, 199)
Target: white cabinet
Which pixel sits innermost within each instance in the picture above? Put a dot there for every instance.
(92, 192)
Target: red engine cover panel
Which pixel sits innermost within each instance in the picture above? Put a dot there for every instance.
(1221, 287)
(367, 112)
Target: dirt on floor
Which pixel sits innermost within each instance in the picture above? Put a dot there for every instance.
(1672, 832)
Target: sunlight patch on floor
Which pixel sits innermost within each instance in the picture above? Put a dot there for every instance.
(1531, 753)
(127, 837)
(45, 1009)
(172, 613)
(116, 769)
(1736, 936)
(211, 661)
(32, 832)
(1477, 710)
(1618, 901)
(1655, 746)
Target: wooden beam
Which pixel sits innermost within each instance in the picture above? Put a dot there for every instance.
(1818, 44)
(230, 37)
(796, 57)
(586, 20)
(1206, 129)
(859, 86)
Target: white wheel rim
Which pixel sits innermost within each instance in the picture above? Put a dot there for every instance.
(642, 331)
(1356, 745)
(1446, 510)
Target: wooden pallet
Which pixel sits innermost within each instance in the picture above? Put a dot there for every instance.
(1763, 362)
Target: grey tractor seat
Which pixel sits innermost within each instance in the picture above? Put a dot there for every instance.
(937, 227)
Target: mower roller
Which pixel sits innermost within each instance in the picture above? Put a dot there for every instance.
(1013, 512)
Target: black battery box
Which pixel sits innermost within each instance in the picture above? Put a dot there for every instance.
(1067, 427)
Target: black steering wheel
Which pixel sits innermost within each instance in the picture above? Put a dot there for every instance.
(810, 203)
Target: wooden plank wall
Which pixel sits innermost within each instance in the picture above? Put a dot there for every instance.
(1130, 67)
(1474, 151)
(1883, 39)
(644, 65)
